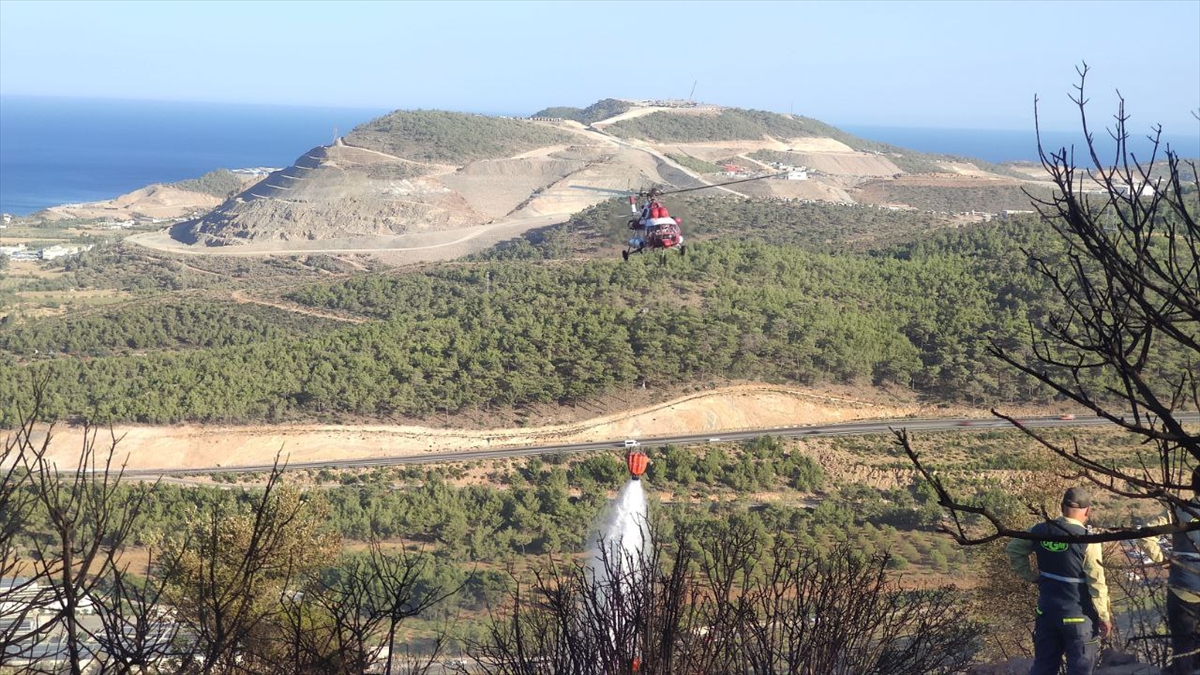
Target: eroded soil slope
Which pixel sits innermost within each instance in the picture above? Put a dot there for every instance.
(729, 409)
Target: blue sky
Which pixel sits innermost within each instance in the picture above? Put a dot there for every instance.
(934, 64)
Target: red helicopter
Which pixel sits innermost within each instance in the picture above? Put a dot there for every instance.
(654, 227)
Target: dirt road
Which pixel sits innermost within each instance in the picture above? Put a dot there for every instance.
(709, 412)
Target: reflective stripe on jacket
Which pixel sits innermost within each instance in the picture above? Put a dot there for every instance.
(1063, 588)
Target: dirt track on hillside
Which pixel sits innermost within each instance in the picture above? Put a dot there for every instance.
(721, 410)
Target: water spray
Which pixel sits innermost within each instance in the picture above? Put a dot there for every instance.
(620, 555)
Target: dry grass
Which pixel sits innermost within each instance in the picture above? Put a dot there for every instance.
(42, 304)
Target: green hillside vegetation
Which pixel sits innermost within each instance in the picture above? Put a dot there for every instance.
(511, 333)
(528, 508)
(600, 110)
(221, 183)
(440, 137)
(990, 199)
(548, 507)
(810, 224)
(478, 519)
(730, 124)
(128, 268)
(913, 162)
(697, 165)
(561, 112)
(813, 225)
(772, 156)
(774, 291)
(140, 271)
(171, 325)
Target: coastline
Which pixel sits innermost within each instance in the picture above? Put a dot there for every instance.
(58, 151)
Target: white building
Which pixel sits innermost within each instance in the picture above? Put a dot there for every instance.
(57, 251)
(52, 252)
(1009, 213)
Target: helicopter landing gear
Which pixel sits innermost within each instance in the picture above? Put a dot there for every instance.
(625, 256)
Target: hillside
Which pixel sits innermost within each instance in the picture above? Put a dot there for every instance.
(728, 124)
(771, 301)
(438, 137)
(783, 313)
(596, 112)
(174, 200)
(430, 172)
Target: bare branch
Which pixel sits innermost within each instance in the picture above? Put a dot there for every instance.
(1126, 343)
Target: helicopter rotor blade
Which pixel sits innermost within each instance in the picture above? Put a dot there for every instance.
(717, 185)
(658, 192)
(622, 193)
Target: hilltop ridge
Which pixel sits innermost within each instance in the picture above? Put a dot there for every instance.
(425, 172)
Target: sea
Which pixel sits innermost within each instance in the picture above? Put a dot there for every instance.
(65, 150)
(1008, 145)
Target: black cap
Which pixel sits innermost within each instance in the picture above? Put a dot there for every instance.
(1077, 498)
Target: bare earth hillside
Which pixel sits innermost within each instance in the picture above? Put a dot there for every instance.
(458, 181)
(151, 202)
(338, 191)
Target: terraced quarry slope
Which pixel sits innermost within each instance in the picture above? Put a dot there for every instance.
(429, 172)
(358, 188)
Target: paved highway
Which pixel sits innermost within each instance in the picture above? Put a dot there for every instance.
(845, 429)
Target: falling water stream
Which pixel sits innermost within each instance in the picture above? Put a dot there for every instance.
(623, 534)
(618, 559)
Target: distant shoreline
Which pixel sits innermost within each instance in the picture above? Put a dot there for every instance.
(76, 151)
(1005, 146)
(70, 151)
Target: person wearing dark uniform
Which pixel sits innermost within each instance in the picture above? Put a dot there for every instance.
(1073, 612)
(1183, 585)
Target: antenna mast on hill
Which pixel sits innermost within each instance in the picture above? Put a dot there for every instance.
(692, 95)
